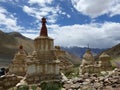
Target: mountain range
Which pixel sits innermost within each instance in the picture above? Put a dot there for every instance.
(10, 42)
(79, 51)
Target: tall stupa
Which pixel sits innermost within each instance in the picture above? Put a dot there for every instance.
(43, 64)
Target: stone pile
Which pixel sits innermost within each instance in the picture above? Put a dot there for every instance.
(8, 81)
(107, 81)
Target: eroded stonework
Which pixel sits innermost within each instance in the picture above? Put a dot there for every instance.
(43, 64)
(89, 65)
(17, 65)
(105, 62)
(65, 63)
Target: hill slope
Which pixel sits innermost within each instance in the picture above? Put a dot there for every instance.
(9, 43)
(114, 51)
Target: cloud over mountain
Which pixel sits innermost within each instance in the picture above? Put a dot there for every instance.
(97, 7)
(97, 35)
(70, 22)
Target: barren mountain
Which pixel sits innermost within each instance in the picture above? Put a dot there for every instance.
(114, 51)
(9, 44)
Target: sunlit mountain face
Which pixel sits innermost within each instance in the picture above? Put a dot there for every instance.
(69, 22)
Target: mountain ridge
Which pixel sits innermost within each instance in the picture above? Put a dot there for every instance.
(114, 51)
(10, 43)
(79, 51)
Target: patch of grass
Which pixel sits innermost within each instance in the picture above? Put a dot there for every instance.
(51, 86)
(34, 87)
(23, 87)
(73, 72)
(115, 62)
(76, 65)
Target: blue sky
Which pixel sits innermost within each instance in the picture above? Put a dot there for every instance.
(69, 22)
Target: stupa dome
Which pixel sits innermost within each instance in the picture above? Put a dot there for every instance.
(88, 55)
(104, 55)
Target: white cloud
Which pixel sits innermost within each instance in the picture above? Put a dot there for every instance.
(68, 16)
(2, 0)
(8, 21)
(115, 10)
(97, 7)
(11, 1)
(64, 13)
(32, 11)
(98, 36)
(40, 2)
(32, 36)
(50, 12)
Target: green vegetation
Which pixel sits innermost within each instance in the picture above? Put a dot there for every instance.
(23, 88)
(72, 72)
(33, 87)
(76, 65)
(44, 86)
(115, 62)
(51, 86)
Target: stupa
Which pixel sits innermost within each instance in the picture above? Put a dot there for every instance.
(43, 64)
(105, 61)
(18, 63)
(88, 58)
(89, 65)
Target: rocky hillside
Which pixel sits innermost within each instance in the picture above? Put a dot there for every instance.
(9, 43)
(114, 51)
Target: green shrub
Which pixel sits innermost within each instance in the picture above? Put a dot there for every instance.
(34, 87)
(73, 72)
(51, 86)
(24, 87)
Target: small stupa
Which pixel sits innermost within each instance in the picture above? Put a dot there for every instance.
(87, 65)
(88, 58)
(105, 61)
(17, 65)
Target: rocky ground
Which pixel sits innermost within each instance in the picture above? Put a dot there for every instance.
(106, 81)
(109, 80)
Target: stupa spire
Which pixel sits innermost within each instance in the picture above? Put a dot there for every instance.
(21, 50)
(43, 31)
(21, 47)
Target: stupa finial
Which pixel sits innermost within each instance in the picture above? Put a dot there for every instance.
(43, 31)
